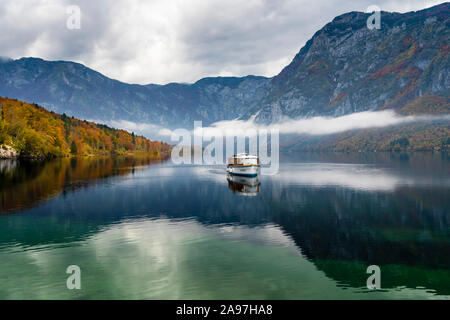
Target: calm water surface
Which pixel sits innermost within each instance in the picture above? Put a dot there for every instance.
(152, 230)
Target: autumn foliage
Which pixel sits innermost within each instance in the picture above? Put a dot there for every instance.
(36, 132)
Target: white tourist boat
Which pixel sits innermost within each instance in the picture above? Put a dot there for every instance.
(243, 164)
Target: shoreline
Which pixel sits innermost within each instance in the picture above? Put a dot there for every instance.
(9, 153)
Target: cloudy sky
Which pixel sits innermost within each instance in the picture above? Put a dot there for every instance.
(161, 41)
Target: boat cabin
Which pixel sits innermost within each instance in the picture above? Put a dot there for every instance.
(243, 159)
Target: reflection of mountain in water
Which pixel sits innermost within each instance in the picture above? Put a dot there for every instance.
(248, 186)
(342, 229)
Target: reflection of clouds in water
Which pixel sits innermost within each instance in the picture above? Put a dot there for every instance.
(348, 176)
(151, 247)
(152, 173)
(215, 173)
(179, 259)
(353, 176)
(141, 258)
(268, 234)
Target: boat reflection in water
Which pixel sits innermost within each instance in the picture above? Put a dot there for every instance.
(248, 186)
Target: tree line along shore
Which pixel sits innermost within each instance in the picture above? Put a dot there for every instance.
(31, 131)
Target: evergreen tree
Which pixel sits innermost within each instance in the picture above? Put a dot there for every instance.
(73, 148)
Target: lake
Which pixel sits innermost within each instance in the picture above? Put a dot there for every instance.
(141, 229)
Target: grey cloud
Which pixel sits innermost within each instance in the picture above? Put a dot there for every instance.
(162, 41)
(42, 24)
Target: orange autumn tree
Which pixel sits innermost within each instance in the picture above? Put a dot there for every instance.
(37, 132)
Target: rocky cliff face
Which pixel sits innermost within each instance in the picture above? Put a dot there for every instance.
(347, 68)
(344, 68)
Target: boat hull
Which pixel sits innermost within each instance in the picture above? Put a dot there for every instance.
(245, 171)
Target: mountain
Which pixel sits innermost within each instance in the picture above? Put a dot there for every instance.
(347, 68)
(79, 91)
(432, 135)
(38, 133)
(343, 68)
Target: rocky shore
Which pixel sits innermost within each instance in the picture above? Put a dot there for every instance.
(8, 152)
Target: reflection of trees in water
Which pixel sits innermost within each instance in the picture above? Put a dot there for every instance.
(24, 183)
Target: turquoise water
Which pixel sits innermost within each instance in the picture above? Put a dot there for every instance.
(144, 230)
